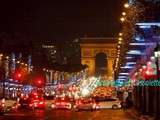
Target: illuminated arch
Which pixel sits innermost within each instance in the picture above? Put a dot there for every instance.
(90, 47)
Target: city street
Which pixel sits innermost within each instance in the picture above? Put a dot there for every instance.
(105, 114)
(80, 60)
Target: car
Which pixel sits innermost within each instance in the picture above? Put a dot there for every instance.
(38, 103)
(23, 103)
(86, 104)
(61, 103)
(113, 103)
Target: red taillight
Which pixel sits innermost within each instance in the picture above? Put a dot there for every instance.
(35, 105)
(57, 103)
(79, 103)
(3, 105)
(62, 103)
(30, 105)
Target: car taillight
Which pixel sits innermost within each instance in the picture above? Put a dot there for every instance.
(30, 105)
(35, 105)
(3, 105)
(79, 103)
(62, 103)
(57, 103)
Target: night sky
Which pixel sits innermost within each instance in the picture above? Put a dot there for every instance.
(60, 19)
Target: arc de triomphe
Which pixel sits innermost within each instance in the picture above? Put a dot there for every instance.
(90, 47)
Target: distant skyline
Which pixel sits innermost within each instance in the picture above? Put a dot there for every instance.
(61, 20)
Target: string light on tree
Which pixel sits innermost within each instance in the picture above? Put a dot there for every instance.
(126, 5)
(120, 34)
(122, 19)
(124, 13)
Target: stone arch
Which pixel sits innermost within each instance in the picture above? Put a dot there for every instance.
(90, 47)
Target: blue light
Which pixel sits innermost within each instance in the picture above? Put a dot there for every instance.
(130, 63)
(129, 57)
(135, 52)
(148, 24)
(142, 44)
(127, 67)
(144, 27)
(123, 73)
(131, 1)
(138, 38)
(121, 77)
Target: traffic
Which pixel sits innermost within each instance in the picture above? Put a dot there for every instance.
(35, 101)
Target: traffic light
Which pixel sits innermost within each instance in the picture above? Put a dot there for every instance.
(39, 82)
(19, 75)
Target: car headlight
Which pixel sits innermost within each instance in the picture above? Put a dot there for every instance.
(52, 106)
(94, 106)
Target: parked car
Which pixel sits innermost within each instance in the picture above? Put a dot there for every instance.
(61, 103)
(113, 103)
(86, 104)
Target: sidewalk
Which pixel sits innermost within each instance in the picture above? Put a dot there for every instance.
(138, 116)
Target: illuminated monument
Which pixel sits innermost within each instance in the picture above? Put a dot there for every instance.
(99, 55)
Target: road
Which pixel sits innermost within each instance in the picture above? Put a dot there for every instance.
(105, 114)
